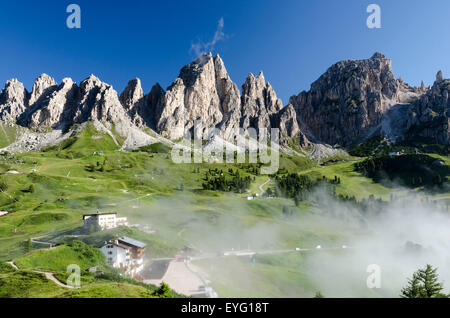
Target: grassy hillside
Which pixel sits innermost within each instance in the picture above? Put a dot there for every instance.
(57, 260)
(107, 283)
(50, 190)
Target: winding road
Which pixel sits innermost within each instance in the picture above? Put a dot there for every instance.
(48, 275)
(262, 185)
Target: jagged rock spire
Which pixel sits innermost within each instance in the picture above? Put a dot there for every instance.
(132, 94)
(439, 77)
(44, 84)
(13, 100)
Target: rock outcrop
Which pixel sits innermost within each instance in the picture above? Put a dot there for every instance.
(140, 108)
(43, 86)
(13, 101)
(290, 131)
(349, 99)
(193, 96)
(57, 108)
(259, 102)
(99, 102)
(428, 119)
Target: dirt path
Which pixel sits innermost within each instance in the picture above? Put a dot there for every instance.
(36, 240)
(262, 185)
(13, 265)
(48, 275)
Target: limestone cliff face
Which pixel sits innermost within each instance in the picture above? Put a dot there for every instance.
(229, 99)
(350, 98)
(13, 101)
(290, 131)
(202, 91)
(259, 101)
(429, 117)
(99, 102)
(43, 86)
(55, 109)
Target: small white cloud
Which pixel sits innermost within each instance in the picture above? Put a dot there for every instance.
(200, 47)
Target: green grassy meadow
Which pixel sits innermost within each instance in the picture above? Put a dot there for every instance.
(50, 190)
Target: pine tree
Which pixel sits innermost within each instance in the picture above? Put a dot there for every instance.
(413, 290)
(424, 284)
(429, 279)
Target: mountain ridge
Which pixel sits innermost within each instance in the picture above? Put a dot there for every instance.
(346, 104)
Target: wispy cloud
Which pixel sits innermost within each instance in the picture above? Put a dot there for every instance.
(200, 47)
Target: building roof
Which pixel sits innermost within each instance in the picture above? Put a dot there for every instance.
(98, 213)
(118, 244)
(130, 241)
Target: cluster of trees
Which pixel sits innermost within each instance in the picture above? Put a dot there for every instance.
(370, 147)
(216, 180)
(293, 185)
(411, 169)
(298, 187)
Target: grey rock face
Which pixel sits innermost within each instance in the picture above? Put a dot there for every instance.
(429, 117)
(141, 109)
(346, 101)
(13, 101)
(259, 101)
(99, 101)
(56, 109)
(286, 121)
(350, 99)
(43, 86)
(132, 99)
(202, 91)
(132, 94)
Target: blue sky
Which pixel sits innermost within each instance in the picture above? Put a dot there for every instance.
(292, 41)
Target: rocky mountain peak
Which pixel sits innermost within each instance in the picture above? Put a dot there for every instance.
(98, 101)
(13, 100)
(196, 94)
(378, 55)
(90, 82)
(429, 117)
(259, 101)
(219, 67)
(348, 99)
(43, 85)
(132, 94)
(56, 109)
(439, 77)
(423, 88)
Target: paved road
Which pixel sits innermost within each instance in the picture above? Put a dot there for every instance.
(250, 253)
(157, 269)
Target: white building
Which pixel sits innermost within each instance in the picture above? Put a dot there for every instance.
(125, 253)
(103, 221)
(396, 153)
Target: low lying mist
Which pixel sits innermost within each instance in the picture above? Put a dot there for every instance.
(408, 233)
